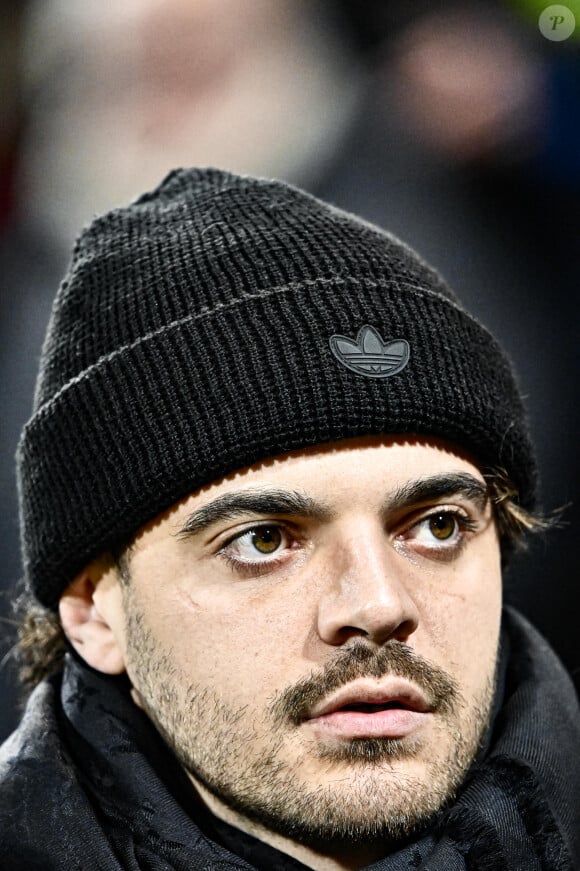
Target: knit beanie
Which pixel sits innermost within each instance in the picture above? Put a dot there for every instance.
(220, 320)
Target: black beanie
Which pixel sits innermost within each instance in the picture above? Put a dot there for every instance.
(220, 320)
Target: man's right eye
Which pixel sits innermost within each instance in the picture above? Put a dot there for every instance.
(257, 546)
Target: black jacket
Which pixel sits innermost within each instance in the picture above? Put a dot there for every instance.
(86, 783)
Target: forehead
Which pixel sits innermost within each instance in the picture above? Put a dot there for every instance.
(345, 475)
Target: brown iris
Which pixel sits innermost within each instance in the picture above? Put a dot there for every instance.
(442, 526)
(267, 539)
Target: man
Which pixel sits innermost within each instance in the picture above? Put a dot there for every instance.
(271, 477)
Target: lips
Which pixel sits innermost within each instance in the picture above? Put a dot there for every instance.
(391, 694)
(390, 709)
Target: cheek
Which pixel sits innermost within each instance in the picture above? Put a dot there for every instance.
(237, 639)
(479, 634)
(462, 617)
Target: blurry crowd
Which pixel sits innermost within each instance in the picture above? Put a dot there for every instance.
(455, 125)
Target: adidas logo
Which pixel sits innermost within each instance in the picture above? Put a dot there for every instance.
(369, 355)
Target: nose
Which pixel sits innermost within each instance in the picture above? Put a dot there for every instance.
(367, 592)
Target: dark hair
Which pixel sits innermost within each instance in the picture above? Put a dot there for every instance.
(42, 643)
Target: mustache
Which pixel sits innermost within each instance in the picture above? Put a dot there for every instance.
(360, 660)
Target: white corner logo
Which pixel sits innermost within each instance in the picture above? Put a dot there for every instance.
(557, 23)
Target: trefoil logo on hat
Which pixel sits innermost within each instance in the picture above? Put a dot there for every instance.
(370, 355)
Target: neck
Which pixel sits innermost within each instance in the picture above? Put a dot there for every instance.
(338, 859)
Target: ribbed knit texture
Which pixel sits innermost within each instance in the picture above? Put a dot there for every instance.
(190, 338)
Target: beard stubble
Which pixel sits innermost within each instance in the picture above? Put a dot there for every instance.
(260, 765)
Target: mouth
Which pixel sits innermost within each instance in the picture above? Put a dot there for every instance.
(393, 710)
(367, 708)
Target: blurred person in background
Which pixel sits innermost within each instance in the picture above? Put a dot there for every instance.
(437, 121)
(267, 86)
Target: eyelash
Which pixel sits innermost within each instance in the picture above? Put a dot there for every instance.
(445, 548)
(254, 567)
(463, 526)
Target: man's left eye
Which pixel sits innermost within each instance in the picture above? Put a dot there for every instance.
(440, 529)
(442, 526)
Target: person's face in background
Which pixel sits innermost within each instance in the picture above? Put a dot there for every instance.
(128, 93)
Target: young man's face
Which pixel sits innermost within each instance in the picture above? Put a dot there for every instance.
(316, 637)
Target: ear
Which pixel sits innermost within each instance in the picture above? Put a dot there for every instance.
(92, 617)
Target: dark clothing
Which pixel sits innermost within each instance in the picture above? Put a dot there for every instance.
(87, 783)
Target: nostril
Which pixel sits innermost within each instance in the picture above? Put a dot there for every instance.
(359, 608)
(404, 630)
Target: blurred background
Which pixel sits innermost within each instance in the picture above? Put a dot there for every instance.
(454, 125)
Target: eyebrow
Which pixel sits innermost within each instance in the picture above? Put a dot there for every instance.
(438, 487)
(231, 506)
(266, 502)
